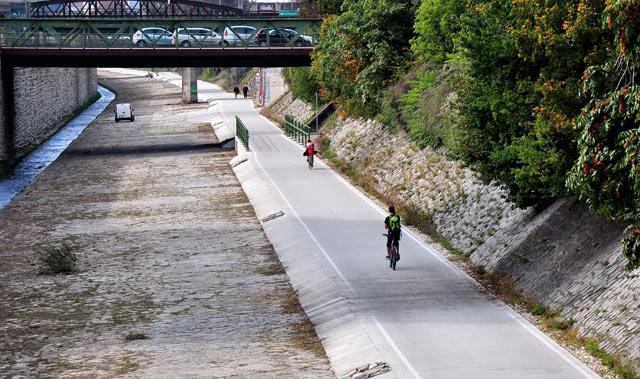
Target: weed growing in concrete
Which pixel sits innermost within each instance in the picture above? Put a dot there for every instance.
(135, 337)
(611, 361)
(57, 260)
(538, 309)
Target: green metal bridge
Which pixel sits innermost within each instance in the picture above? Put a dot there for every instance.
(144, 42)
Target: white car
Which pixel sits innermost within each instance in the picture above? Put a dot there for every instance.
(197, 37)
(124, 111)
(238, 35)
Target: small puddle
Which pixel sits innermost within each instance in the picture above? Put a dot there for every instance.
(32, 165)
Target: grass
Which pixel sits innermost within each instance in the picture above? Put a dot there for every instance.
(57, 259)
(499, 285)
(271, 115)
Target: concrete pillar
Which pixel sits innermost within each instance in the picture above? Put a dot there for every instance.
(7, 117)
(189, 85)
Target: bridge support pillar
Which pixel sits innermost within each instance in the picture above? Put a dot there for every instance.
(189, 85)
(7, 118)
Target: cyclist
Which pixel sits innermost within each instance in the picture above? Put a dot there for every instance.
(392, 224)
(311, 151)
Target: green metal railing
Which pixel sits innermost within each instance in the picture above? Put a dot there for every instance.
(242, 133)
(297, 130)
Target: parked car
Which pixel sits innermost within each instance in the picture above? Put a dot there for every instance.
(152, 37)
(238, 35)
(280, 37)
(124, 111)
(307, 38)
(187, 37)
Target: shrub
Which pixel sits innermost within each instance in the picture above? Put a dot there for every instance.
(538, 309)
(57, 260)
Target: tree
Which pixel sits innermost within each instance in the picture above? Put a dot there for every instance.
(606, 175)
(437, 25)
(526, 60)
(361, 50)
(301, 82)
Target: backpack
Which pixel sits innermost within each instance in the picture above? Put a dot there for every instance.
(394, 223)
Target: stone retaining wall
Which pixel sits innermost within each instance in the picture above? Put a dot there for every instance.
(564, 256)
(44, 98)
(2, 152)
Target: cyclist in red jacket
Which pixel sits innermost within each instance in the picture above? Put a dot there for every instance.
(310, 152)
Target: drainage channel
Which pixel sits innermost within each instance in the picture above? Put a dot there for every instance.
(31, 166)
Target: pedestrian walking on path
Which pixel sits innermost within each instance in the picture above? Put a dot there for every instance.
(236, 91)
(245, 91)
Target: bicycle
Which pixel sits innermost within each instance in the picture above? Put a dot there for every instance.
(310, 161)
(393, 259)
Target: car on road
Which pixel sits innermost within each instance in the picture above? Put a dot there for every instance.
(238, 35)
(280, 37)
(307, 38)
(197, 37)
(155, 37)
(124, 111)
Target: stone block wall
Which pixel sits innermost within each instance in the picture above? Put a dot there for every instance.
(45, 97)
(2, 152)
(563, 256)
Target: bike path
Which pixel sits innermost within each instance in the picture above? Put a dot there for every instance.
(428, 319)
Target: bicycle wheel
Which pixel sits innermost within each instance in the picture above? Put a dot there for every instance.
(395, 257)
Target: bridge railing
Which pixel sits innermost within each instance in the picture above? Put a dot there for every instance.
(160, 33)
(296, 130)
(242, 133)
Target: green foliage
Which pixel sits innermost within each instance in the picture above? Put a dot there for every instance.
(606, 175)
(57, 260)
(302, 83)
(538, 309)
(361, 50)
(437, 27)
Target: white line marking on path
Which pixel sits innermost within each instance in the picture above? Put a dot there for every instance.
(396, 349)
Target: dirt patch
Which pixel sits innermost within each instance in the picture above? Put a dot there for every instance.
(174, 274)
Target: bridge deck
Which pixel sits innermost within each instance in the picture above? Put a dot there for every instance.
(156, 57)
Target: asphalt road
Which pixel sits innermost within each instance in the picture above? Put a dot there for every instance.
(428, 318)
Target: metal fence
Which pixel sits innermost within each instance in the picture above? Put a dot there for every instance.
(242, 133)
(297, 130)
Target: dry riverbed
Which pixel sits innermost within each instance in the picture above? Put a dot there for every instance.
(175, 278)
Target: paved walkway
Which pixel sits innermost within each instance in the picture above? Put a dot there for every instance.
(428, 318)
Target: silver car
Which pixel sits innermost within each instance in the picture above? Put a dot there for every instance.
(152, 37)
(198, 37)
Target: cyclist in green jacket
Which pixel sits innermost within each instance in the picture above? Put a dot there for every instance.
(392, 224)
